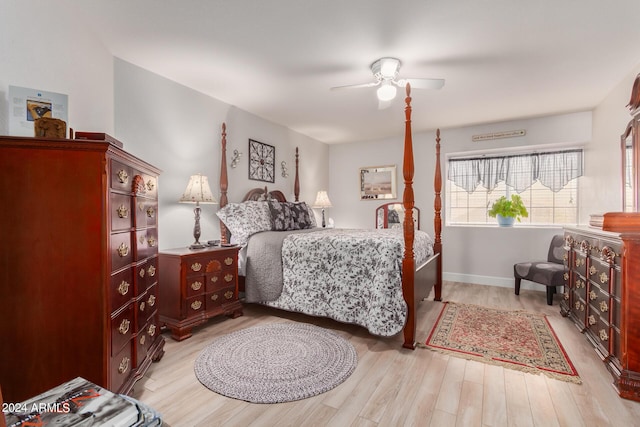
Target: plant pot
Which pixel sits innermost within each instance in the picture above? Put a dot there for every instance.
(505, 221)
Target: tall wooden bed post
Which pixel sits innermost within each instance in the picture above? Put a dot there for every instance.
(224, 181)
(437, 221)
(408, 260)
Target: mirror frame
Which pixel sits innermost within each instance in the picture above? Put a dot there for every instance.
(631, 138)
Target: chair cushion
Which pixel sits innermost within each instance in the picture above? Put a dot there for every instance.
(543, 272)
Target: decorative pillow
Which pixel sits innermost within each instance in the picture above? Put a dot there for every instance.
(281, 217)
(245, 219)
(300, 214)
(312, 218)
(289, 216)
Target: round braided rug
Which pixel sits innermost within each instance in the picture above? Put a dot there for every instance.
(277, 362)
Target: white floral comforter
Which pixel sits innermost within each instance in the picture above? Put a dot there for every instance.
(353, 276)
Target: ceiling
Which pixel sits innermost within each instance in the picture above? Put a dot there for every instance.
(277, 59)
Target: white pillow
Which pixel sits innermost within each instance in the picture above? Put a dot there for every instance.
(245, 219)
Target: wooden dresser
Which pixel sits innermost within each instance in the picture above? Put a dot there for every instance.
(78, 265)
(602, 297)
(197, 284)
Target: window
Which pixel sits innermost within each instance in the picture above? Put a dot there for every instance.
(546, 181)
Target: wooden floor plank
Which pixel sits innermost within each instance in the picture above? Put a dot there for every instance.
(394, 386)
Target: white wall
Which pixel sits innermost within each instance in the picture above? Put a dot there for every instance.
(42, 47)
(483, 255)
(179, 131)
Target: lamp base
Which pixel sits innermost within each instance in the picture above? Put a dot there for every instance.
(197, 245)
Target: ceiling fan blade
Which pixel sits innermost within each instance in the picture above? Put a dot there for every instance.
(421, 83)
(372, 84)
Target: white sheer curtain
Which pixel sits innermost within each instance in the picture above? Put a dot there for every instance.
(554, 169)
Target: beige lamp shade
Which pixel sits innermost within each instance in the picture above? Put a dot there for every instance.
(322, 200)
(198, 191)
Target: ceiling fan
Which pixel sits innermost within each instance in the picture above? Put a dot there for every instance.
(385, 71)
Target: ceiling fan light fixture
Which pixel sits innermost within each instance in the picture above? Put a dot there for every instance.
(386, 91)
(389, 67)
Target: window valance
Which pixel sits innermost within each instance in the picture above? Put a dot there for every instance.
(554, 169)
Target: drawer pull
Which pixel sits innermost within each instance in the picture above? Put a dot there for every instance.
(214, 279)
(592, 295)
(604, 278)
(196, 285)
(228, 260)
(123, 176)
(123, 211)
(123, 250)
(151, 270)
(604, 307)
(152, 300)
(214, 297)
(142, 306)
(124, 326)
(196, 305)
(228, 277)
(143, 338)
(565, 276)
(577, 262)
(151, 212)
(141, 273)
(152, 330)
(150, 185)
(593, 270)
(196, 266)
(228, 294)
(152, 241)
(603, 335)
(124, 365)
(123, 288)
(566, 295)
(592, 320)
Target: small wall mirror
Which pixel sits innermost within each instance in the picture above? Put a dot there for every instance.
(391, 215)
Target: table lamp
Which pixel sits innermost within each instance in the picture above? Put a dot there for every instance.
(197, 192)
(322, 202)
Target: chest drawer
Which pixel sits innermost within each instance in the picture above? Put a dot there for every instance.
(121, 250)
(121, 213)
(122, 289)
(121, 176)
(122, 328)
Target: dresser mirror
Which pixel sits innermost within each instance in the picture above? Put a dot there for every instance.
(630, 147)
(391, 215)
(629, 167)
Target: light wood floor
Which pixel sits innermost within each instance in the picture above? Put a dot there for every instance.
(392, 386)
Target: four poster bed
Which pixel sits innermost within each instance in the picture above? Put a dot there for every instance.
(364, 277)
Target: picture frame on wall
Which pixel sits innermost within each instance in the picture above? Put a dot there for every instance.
(262, 159)
(378, 182)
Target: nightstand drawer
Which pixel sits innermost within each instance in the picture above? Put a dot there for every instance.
(222, 296)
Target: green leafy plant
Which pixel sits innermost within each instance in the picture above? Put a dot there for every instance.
(509, 208)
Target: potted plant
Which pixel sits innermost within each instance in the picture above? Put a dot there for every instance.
(506, 211)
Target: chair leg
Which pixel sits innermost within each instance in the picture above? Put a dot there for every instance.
(518, 286)
(550, 291)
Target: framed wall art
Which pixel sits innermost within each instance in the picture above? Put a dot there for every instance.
(378, 182)
(262, 159)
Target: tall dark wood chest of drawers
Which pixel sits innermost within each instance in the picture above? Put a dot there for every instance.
(602, 297)
(78, 265)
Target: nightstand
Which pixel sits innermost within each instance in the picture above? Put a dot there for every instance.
(196, 285)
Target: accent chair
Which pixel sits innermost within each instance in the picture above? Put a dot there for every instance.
(549, 273)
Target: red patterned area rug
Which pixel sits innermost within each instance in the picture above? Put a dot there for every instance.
(514, 339)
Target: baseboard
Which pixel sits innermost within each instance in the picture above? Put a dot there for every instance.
(503, 282)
